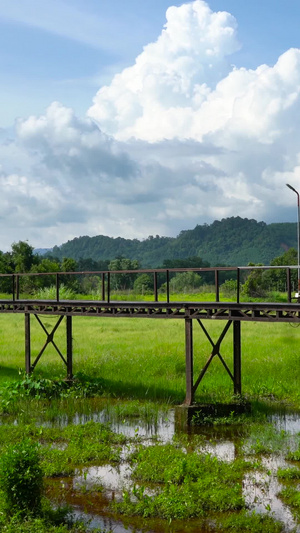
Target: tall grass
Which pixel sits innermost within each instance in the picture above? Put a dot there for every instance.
(146, 358)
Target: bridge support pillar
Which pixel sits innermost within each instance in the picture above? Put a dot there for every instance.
(27, 344)
(237, 371)
(189, 398)
(235, 375)
(67, 360)
(69, 348)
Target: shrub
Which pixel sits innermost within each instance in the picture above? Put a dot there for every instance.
(21, 479)
(143, 284)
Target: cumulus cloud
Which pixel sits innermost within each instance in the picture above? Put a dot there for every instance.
(171, 77)
(181, 137)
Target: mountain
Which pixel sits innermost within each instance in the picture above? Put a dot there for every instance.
(232, 241)
(42, 251)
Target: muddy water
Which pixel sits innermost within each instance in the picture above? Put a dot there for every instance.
(260, 489)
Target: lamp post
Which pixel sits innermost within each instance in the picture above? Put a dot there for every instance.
(298, 237)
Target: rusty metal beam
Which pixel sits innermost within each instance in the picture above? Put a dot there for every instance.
(69, 347)
(27, 344)
(237, 367)
(189, 365)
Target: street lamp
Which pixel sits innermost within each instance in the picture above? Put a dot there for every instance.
(298, 237)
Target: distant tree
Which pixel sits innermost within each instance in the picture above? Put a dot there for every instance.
(277, 279)
(91, 265)
(123, 281)
(187, 262)
(23, 256)
(68, 265)
(255, 284)
(70, 281)
(45, 265)
(6, 267)
(143, 284)
(185, 281)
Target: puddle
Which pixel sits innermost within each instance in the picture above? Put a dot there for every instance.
(289, 422)
(160, 425)
(260, 491)
(112, 480)
(106, 483)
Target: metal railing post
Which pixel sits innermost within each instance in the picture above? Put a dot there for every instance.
(17, 287)
(238, 286)
(288, 284)
(57, 287)
(155, 287)
(217, 285)
(168, 285)
(108, 287)
(103, 286)
(13, 287)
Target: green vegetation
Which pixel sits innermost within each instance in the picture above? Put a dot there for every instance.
(171, 482)
(21, 479)
(252, 523)
(145, 359)
(129, 369)
(231, 241)
(269, 285)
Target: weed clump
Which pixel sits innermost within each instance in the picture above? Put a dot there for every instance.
(251, 522)
(188, 485)
(21, 479)
(32, 387)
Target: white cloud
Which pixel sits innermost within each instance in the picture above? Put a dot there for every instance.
(180, 138)
(171, 78)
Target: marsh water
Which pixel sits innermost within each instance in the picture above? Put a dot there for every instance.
(225, 441)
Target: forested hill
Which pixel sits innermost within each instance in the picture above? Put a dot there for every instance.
(231, 241)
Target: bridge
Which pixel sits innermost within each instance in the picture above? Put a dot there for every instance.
(158, 305)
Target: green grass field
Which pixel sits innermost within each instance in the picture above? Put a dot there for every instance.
(145, 359)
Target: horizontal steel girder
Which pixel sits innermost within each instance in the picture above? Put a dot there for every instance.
(248, 312)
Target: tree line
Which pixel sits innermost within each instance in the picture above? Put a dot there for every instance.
(22, 259)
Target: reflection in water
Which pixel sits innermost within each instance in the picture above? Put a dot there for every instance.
(286, 422)
(260, 489)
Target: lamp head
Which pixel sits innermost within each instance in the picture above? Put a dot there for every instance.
(292, 188)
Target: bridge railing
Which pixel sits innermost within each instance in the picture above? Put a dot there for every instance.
(15, 285)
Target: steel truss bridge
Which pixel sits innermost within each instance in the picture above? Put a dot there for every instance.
(231, 312)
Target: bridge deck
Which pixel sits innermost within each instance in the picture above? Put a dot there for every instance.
(243, 311)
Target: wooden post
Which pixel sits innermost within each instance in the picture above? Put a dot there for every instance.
(237, 374)
(69, 348)
(27, 344)
(189, 398)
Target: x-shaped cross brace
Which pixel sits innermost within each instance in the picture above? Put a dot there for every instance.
(50, 337)
(215, 351)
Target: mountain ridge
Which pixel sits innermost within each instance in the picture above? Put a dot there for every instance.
(233, 241)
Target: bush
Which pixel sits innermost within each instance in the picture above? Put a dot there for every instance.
(185, 282)
(143, 284)
(21, 479)
(229, 287)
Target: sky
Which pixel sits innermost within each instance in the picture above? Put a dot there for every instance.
(142, 118)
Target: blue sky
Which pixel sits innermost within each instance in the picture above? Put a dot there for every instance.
(117, 120)
(46, 54)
